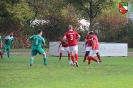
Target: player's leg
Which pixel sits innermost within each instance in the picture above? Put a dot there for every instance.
(72, 57)
(71, 54)
(8, 52)
(60, 54)
(68, 55)
(45, 58)
(88, 49)
(75, 48)
(4, 49)
(42, 52)
(86, 55)
(62, 49)
(67, 49)
(31, 60)
(33, 53)
(91, 57)
(98, 56)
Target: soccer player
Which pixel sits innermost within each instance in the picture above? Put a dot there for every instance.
(89, 47)
(88, 43)
(8, 41)
(37, 42)
(94, 48)
(72, 37)
(64, 46)
(0, 46)
(97, 51)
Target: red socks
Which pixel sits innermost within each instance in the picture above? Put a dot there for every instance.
(60, 55)
(68, 56)
(72, 58)
(85, 58)
(91, 58)
(98, 55)
(76, 57)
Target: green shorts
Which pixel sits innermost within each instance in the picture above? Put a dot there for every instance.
(34, 51)
(6, 48)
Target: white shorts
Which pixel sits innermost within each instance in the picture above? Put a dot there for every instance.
(93, 52)
(88, 48)
(97, 51)
(65, 48)
(73, 48)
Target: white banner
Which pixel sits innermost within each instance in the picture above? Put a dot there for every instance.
(105, 49)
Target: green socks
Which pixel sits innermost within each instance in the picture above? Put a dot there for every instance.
(3, 52)
(45, 60)
(31, 60)
(8, 54)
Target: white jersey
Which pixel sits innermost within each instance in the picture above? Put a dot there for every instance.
(9, 37)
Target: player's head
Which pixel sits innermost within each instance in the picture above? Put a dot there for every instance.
(39, 32)
(91, 34)
(11, 33)
(90, 31)
(70, 27)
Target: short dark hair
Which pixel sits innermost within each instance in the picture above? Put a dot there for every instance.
(39, 30)
(10, 31)
(91, 33)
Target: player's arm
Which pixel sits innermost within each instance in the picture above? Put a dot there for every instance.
(59, 47)
(85, 42)
(12, 40)
(93, 44)
(65, 37)
(28, 40)
(78, 37)
(43, 42)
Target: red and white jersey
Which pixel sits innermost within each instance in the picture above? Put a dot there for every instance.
(72, 37)
(64, 43)
(89, 42)
(95, 39)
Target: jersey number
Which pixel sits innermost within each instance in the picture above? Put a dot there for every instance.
(71, 37)
(37, 42)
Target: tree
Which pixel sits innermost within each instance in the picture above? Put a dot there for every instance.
(90, 7)
(14, 14)
(57, 13)
(109, 26)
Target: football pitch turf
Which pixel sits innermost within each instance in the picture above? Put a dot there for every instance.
(113, 72)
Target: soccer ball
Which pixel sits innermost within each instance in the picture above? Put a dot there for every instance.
(71, 63)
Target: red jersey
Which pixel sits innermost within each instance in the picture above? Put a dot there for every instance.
(72, 37)
(64, 43)
(95, 39)
(89, 42)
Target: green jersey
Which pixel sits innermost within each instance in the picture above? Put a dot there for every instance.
(37, 41)
(8, 40)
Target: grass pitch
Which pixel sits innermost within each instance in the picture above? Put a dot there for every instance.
(113, 72)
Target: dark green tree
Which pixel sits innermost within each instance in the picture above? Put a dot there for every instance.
(90, 8)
